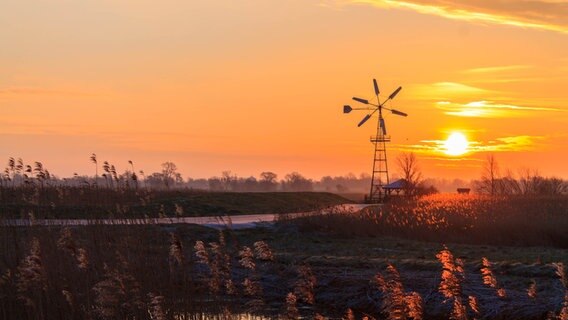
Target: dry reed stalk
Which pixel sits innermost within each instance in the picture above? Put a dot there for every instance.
(176, 252)
(6, 278)
(459, 311)
(531, 291)
(66, 242)
(68, 297)
(156, 307)
(178, 210)
(110, 292)
(305, 285)
(489, 278)
(414, 306)
(450, 286)
(220, 265)
(561, 273)
(227, 315)
(487, 274)
(452, 275)
(230, 287)
(251, 287)
(247, 258)
(263, 251)
(30, 278)
(201, 253)
(348, 315)
(118, 292)
(396, 303)
(291, 308)
(473, 304)
(563, 315)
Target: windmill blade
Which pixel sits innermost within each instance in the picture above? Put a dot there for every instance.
(361, 100)
(376, 87)
(383, 127)
(347, 109)
(395, 93)
(367, 117)
(399, 113)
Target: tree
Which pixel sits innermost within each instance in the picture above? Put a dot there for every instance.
(296, 182)
(250, 184)
(268, 181)
(169, 171)
(229, 180)
(530, 181)
(408, 165)
(491, 173)
(490, 182)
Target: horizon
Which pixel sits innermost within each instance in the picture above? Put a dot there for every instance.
(259, 87)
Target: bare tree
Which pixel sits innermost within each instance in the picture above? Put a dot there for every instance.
(229, 180)
(530, 181)
(169, 170)
(408, 165)
(268, 181)
(296, 182)
(489, 177)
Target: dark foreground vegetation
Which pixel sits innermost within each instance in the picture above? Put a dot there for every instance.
(89, 203)
(437, 257)
(189, 272)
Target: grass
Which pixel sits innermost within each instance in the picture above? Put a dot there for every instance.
(438, 257)
(521, 221)
(75, 202)
(134, 269)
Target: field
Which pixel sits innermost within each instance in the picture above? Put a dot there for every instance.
(91, 203)
(436, 258)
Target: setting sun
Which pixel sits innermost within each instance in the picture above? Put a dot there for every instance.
(456, 144)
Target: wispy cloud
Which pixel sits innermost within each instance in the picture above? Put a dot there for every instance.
(503, 144)
(497, 69)
(446, 90)
(488, 109)
(535, 14)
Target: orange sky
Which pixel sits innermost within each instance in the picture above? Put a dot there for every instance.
(251, 86)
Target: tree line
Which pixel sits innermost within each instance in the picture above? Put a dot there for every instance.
(106, 175)
(525, 182)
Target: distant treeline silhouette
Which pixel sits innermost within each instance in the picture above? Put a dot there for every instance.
(19, 174)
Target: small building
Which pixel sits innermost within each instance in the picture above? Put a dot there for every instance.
(463, 190)
(396, 186)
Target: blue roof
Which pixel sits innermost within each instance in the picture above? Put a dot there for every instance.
(398, 184)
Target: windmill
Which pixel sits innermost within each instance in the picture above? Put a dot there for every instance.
(380, 176)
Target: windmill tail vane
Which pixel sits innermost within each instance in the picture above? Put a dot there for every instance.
(379, 192)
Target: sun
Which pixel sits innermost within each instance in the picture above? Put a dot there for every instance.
(456, 144)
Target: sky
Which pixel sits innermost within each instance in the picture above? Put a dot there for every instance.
(253, 86)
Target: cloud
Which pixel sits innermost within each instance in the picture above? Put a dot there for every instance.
(549, 15)
(497, 69)
(503, 144)
(446, 90)
(487, 109)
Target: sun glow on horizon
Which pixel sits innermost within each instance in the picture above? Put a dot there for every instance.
(456, 144)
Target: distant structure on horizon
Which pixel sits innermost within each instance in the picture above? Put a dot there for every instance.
(380, 173)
